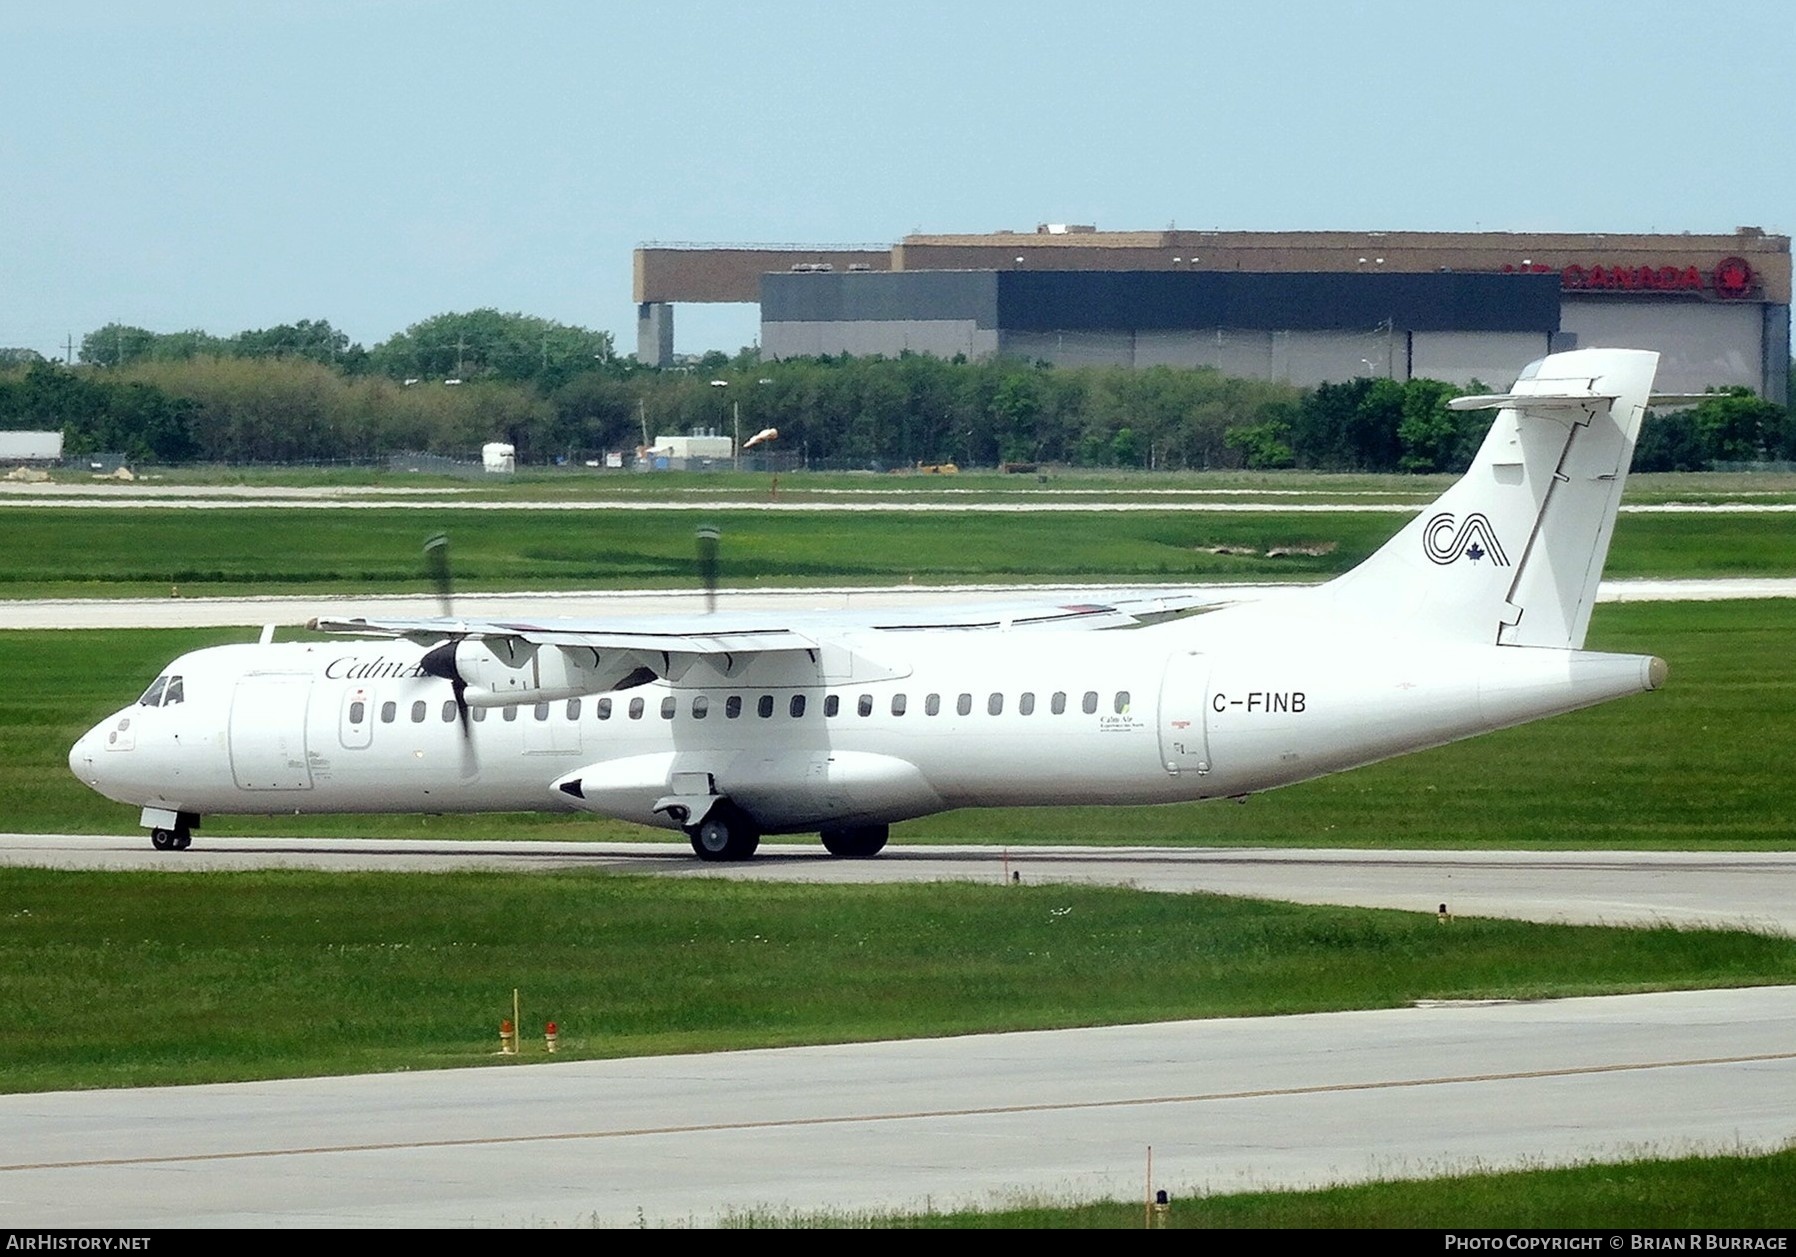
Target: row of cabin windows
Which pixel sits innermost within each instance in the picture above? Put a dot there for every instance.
(732, 707)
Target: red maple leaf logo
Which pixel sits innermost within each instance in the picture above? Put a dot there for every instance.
(1733, 278)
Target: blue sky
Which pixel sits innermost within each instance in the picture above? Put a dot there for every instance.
(229, 165)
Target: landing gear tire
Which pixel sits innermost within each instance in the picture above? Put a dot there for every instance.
(725, 834)
(170, 839)
(857, 843)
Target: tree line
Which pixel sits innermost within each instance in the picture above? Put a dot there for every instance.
(303, 393)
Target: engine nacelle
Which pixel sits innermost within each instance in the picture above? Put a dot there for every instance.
(500, 671)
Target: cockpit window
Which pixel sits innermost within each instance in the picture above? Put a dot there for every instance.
(164, 691)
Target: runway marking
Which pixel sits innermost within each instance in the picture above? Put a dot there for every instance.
(997, 1110)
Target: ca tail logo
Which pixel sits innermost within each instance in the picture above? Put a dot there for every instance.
(1472, 538)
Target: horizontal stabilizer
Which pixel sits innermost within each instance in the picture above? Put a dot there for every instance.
(1546, 401)
(1568, 399)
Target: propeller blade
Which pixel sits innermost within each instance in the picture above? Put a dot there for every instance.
(436, 563)
(707, 564)
(458, 690)
(439, 661)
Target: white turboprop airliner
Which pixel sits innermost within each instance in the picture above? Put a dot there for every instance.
(1471, 618)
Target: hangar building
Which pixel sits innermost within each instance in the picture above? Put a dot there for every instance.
(1304, 307)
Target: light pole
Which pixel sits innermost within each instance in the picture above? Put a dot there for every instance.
(736, 419)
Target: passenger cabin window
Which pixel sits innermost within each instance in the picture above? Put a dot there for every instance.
(1090, 703)
(831, 705)
(604, 709)
(448, 713)
(764, 707)
(1121, 705)
(898, 703)
(511, 713)
(358, 711)
(636, 706)
(701, 707)
(932, 706)
(1057, 704)
(995, 705)
(796, 707)
(542, 711)
(732, 706)
(420, 709)
(1025, 704)
(573, 709)
(388, 713)
(864, 705)
(667, 707)
(479, 714)
(964, 704)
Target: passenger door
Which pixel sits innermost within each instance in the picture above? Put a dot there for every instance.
(268, 732)
(1184, 696)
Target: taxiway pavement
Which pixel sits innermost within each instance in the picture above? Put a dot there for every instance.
(978, 1120)
(1723, 889)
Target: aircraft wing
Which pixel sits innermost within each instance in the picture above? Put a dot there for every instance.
(762, 632)
(596, 634)
(1125, 609)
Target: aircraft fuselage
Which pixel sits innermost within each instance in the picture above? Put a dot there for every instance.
(869, 730)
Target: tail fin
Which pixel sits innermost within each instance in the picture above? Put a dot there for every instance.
(1512, 553)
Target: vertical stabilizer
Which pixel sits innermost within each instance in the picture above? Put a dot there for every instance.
(1512, 553)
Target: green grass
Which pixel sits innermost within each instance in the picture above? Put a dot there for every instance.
(54, 553)
(1704, 762)
(540, 483)
(146, 551)
(116, 979)
(1741, 1192)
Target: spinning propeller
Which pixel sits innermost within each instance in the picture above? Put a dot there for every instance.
(439, 660)
(436, 564)
(707, 564)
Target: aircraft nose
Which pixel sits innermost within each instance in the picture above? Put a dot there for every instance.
(81, 756)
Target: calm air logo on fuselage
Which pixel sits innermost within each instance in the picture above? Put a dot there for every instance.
(1472, 538)
(355, 668)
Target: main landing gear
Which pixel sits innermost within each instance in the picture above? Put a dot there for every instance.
(729, 833)
(857, 843)
(726, 833)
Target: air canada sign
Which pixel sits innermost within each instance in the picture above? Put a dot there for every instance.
(1732, 278)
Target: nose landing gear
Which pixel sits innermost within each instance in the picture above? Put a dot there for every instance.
(176, 839)
(170, 830)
